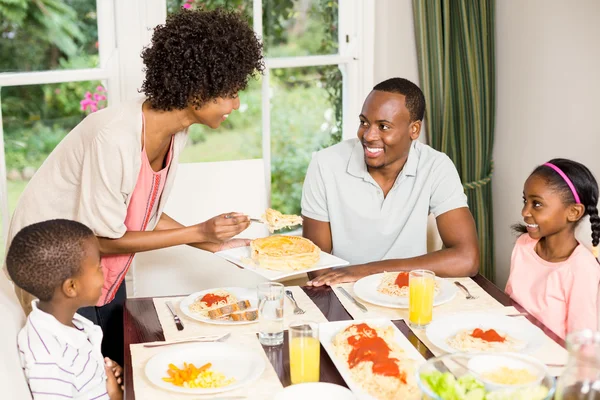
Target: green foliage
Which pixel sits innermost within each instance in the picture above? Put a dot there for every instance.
(31, 144)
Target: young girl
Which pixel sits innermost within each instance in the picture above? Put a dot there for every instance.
(551, 274)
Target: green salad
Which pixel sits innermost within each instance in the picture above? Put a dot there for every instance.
(467, 387)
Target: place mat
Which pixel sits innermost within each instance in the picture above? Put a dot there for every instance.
(192, 328)
(549, 352)
(263, 388)
(483, 302)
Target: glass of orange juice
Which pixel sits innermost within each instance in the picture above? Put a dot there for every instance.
(305, 352)
(421, 285)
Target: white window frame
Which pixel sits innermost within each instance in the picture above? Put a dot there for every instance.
(125, 27)
(106, 72)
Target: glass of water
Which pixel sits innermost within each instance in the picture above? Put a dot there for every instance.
(270, 313)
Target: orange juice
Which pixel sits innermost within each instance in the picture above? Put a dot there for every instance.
(304, 359)
(421, 289)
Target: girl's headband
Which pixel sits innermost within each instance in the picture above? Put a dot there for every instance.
(566, 179)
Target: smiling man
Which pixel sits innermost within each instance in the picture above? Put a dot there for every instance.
(367, 200)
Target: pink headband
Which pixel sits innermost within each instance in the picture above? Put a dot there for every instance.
(566, 178)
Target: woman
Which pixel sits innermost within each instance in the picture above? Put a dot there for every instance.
(113, 172)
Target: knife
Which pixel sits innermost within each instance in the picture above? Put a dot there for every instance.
(178, 323)
(352, 299)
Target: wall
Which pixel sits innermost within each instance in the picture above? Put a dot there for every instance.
(548, 80)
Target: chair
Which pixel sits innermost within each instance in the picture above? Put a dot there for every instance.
(12, 380)
(200, 192)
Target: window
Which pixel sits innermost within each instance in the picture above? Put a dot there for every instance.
(302, 102)
(318, 58)
(55, 67)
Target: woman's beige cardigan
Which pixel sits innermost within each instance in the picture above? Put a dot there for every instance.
(90, 176)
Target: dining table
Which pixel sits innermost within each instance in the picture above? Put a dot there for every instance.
(141, 325)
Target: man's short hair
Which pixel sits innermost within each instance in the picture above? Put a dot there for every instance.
(43, 255)
(415, 100)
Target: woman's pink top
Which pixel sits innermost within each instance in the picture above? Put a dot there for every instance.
(143, 204)
(562, 295)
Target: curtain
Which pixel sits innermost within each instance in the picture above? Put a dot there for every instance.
(455, 46)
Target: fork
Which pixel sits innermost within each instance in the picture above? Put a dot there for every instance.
(465, 290)
(297, 310)
(201, 339)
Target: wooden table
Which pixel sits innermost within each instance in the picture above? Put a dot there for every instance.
(141, 325)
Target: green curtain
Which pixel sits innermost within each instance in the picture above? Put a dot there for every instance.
(455, 46)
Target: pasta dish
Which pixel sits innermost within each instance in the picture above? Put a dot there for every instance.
(215, 299)
(377, 363)
(284, 253)
(476, 340)
(396, 284)
(276, 220)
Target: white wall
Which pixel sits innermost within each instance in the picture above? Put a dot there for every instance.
(548, 92)
(548, 82)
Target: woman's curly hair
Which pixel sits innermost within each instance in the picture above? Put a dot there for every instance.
(198, 56)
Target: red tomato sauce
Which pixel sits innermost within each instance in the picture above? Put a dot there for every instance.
(489, 336)
(211, 299)
(367, 346)
(402, 279)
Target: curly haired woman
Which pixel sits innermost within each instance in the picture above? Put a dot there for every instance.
(114, 170)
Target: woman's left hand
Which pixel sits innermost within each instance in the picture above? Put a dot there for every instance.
(233, 243)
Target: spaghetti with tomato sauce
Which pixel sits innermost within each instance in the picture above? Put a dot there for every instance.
(484, 340)
(377, 363)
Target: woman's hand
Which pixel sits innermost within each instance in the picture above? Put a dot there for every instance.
(233, 243)
(223, 227)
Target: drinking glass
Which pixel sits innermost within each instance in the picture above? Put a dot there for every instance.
(581, 378)
(270, 313)
(305, 352)
(421, 285)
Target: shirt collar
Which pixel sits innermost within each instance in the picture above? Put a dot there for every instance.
(76, 337)
(358, 168)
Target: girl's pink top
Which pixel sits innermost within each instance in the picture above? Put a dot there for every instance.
(563, 295)
(143, 204)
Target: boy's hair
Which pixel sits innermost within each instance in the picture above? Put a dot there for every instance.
(43, 255)
(198, 56)
(415, 100)
(585, 185)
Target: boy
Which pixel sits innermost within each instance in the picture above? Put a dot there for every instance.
(58, 261)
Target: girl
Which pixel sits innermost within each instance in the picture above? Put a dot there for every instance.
(552, 275)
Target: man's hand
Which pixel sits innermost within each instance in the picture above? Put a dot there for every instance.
(342, 275)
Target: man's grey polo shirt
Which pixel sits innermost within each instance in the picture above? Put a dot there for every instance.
(367, 227)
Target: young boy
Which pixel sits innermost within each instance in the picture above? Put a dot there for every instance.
(58, 261)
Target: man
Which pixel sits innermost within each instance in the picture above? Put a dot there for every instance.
(367, 200)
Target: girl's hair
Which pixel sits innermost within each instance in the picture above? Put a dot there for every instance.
(585, 185)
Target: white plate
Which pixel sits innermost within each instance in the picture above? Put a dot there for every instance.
(440, 329)
(366, 289)
(238, 254)
(315, 390)
(327, 332)
(240, 293)
(232, 361)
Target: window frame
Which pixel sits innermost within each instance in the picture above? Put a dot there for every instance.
(125, 27)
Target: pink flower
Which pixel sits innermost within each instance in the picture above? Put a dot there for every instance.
(187, 5)
(85, 103)
(99, 97)
(100, 88)
(56, 91)
(88, 95)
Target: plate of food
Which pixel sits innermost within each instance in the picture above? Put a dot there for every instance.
(498, 376)
(280, 256)
(477, 332)
(204, 368)
(390, 289)
(222, 306)
(375, 359)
